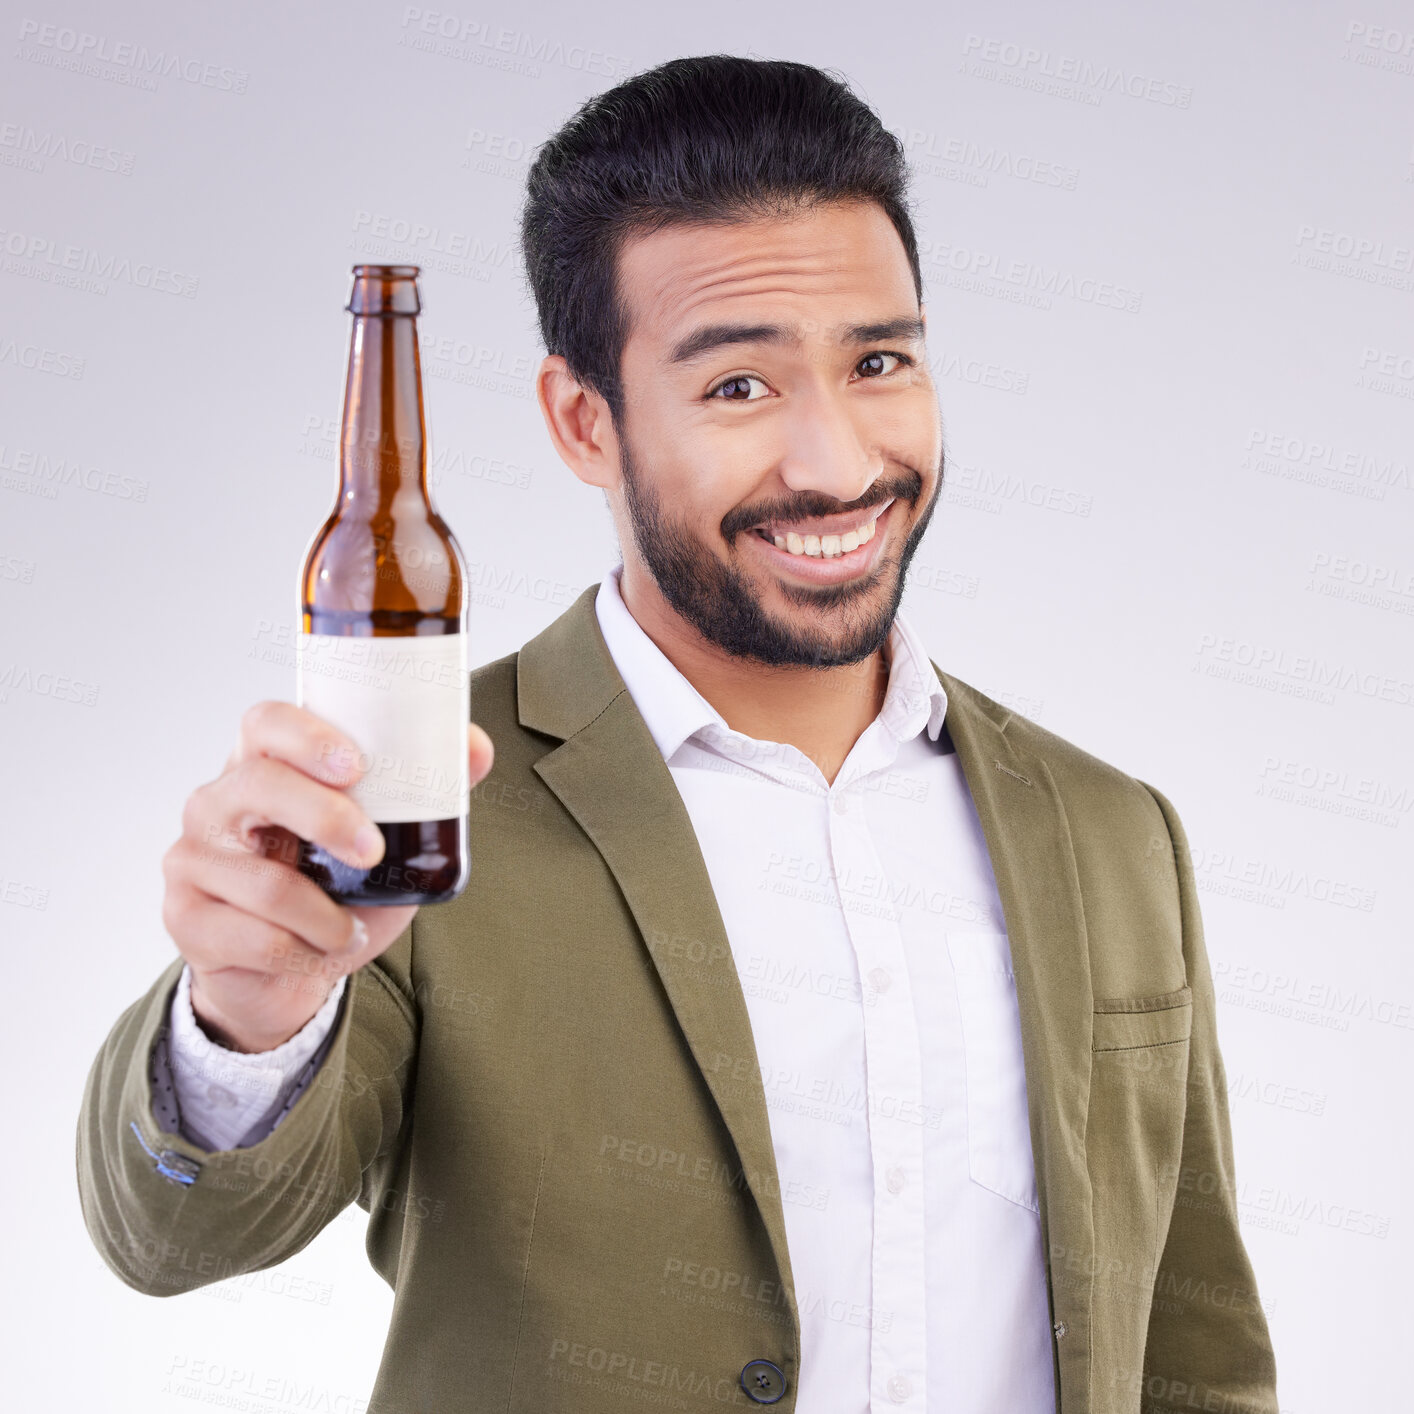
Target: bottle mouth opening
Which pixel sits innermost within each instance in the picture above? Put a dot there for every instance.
(385, 289)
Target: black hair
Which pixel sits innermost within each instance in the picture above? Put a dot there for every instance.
(711, 138)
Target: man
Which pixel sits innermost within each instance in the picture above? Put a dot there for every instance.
(814, 1030)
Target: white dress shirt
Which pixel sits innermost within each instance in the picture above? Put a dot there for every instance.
(868, 935)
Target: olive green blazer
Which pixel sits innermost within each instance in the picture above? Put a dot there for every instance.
(546, 1094)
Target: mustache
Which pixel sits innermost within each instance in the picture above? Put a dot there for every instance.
(818, 509)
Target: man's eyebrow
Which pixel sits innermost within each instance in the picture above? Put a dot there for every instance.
(715, 336)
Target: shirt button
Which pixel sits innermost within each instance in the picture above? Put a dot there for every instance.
(896, 1178)
(841, 805)
(879, 978)
(1059, 1329)
(900, 1387)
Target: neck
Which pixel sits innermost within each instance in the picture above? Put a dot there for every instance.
(820, 711)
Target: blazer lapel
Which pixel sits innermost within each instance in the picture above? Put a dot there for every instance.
(1028, 839)
(608, 773)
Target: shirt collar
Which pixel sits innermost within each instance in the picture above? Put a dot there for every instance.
(674, 710)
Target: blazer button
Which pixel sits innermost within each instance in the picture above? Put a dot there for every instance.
(763, 1381)
(1059, 1329)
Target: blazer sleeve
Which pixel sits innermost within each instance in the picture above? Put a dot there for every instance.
(168, 1215)
(1208, 1344)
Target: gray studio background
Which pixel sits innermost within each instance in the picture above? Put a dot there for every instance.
(1170, 287)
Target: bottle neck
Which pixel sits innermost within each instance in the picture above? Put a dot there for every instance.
(383, 440)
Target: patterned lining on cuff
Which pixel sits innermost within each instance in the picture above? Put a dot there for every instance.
(202, 1086)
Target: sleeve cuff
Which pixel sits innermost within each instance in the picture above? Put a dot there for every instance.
(219, 1089)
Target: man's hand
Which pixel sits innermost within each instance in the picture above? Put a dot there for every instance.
(266, 944)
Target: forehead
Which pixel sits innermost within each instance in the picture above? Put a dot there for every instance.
(818, 268)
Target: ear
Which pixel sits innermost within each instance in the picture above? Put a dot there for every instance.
(579, 424)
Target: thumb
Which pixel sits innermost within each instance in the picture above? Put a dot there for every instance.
(481, 752)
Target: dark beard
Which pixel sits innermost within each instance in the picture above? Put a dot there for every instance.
(722, 604)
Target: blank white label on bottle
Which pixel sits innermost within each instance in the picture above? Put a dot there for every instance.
(406, 702)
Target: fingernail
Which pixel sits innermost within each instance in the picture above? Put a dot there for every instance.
(338, 761)
(368, 842)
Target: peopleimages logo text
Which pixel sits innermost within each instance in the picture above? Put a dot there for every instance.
(82, 48)
(1067, 68)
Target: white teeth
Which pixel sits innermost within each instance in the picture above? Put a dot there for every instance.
(826, 547)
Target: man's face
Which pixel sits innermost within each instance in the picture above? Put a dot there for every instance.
(832, 419)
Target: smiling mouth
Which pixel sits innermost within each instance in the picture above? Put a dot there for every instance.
(801, 542)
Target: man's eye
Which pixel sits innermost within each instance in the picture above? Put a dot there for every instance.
(869, 358)
(731, 385)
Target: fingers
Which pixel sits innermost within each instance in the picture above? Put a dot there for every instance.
(265, 886)
(263, 791)
(298, 737)
(241, 833)
(319, 749)
(266, 942)
(247, 951)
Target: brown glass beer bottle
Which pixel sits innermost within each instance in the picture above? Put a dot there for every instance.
(382, 648)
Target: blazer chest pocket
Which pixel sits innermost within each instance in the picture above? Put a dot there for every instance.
(998, 1129)
(1131, 1023)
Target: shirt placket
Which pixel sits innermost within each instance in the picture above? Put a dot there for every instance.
(893, 1083)
(894, 1093)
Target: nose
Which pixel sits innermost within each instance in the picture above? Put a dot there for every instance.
(828, 451)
